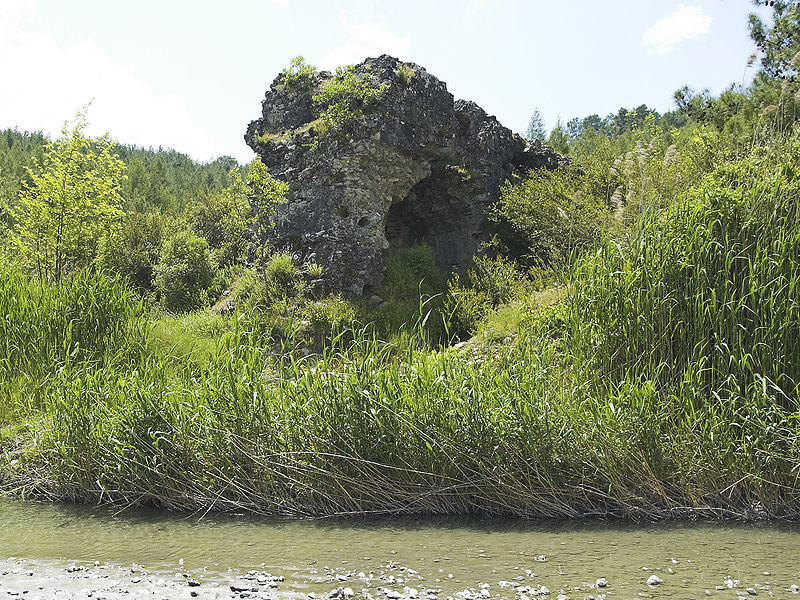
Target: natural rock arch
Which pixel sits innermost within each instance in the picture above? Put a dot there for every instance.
(415, 168)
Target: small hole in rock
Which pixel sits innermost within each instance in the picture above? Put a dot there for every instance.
(363, 221)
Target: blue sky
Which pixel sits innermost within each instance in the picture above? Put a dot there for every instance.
(192, 74)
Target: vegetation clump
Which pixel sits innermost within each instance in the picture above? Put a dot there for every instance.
(346, 96)
(299, 75)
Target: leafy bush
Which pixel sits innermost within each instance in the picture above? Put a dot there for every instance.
(272, 285)
(486, 283)
(132, 249)
(184, 272)
(222, 220)
(543, 218)
(406, 73)
(410, 272)
(328, 317)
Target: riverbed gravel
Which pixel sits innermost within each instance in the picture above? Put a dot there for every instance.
(26, 579)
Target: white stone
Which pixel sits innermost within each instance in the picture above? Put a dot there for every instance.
(654, 580)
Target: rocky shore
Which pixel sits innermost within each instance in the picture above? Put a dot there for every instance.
(45, 580)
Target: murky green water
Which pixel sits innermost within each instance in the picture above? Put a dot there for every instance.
(448, 555)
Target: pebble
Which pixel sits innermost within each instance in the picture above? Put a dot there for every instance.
(795, 589)
(752, 591)
(602, 582)
(654, 580)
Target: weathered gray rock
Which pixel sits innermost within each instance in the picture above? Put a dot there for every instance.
(417, 167)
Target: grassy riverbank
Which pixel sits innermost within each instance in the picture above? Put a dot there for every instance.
(665, 383)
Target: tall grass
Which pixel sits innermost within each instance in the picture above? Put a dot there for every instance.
(711, 287)
(44, 326)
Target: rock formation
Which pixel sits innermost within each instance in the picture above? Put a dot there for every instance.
(406, 165)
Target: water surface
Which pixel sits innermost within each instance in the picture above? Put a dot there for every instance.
(449, 555)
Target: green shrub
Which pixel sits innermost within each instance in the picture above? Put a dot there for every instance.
(484, 285)
(282, 277)
(299, 75)
(346, 96)
(271, 286)
(544, 218)
(328, 317)
(132, 249)
(406, 73)
(410, 272)
(184, 272)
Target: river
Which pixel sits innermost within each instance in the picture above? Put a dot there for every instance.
(66, 551)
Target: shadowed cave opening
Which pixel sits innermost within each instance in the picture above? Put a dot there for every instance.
(436, 212)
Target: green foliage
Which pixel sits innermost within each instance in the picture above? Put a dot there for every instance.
(165, 180)
(536, 130)
(412, 271)
(329, 318)
(709, 286)
(89, 316)
(224, 219)
(17, 151)
(192, 338)
(315, 270)
(547, 216)
(73, 197)
(281, 277)
(264, 193)
(409, 299)
(485, 284)
(162, 180)
(346, 96)
(132, 249)
(559, 139)
(184, 272)
(779, 44)
(406, 73)
(277, 280)
(298, 76)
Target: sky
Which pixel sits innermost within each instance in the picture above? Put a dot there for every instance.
(191, 74)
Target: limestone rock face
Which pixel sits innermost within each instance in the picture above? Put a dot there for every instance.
(413, 167)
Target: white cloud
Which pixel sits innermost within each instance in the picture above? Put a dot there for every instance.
(686, 23)
(364, 39)
(44, 84)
